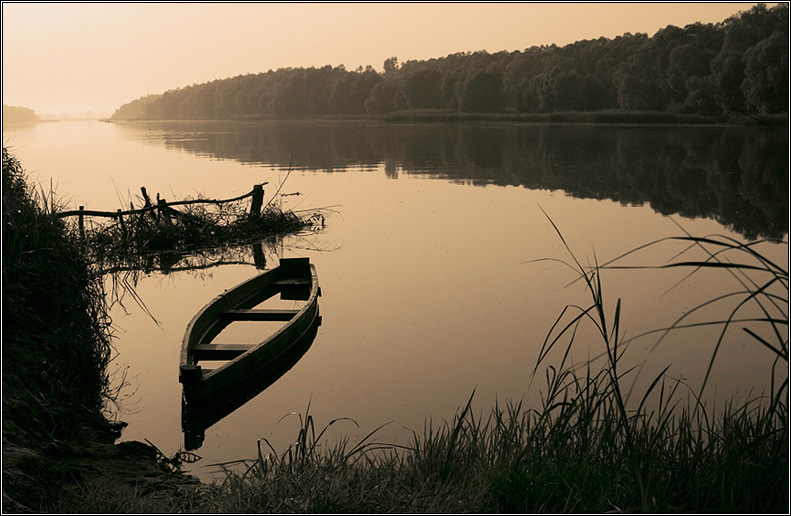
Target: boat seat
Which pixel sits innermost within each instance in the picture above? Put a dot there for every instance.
(288, 282)
(260, 314)
(219, 351)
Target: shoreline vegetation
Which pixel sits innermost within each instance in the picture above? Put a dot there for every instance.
(587, 448)
(56, 349)
(605, 117)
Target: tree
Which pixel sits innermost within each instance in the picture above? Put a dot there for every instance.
(737, 65)
(702, 96)
(596, 95)
(385, 97)
(423, 89)
(19, 114)
(765, 84)
(361, 87)
(391, 64)
(483, 93)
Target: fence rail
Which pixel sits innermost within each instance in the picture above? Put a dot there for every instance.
(165, 208)
(114, 214)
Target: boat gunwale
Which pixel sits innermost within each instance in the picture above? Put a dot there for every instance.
(266, 279)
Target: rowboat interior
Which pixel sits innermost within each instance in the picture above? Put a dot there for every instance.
(244, 340)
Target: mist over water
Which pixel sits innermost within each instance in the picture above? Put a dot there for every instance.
(427, 289)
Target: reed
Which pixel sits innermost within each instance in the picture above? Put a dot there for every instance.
(56, 342)
(758, 305)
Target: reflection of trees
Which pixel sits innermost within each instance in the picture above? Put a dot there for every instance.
(736, 176)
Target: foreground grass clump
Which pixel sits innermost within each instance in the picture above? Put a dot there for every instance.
(56, 347)
(574, 455)
(586, 447)
(55, 339)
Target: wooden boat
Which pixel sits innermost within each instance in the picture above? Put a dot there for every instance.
(199, 415)
(293, 279)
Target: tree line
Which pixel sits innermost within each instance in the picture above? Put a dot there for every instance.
(19, 114)
(738, 65)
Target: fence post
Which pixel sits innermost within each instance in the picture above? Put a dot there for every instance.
(163, 211)
(258, 201)
(121, 223)
(148, 204)
(259, 258)
(81, 222)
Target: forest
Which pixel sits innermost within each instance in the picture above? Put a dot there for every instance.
(739, 65)
(19, 114)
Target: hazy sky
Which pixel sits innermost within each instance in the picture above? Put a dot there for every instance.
(75, 57)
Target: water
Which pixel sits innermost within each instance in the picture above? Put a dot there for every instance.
(430, 288)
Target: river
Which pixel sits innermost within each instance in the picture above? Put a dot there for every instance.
(431, 261)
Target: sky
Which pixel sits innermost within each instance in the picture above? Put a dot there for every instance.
(79, 57)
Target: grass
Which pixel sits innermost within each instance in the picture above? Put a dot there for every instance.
(56, 343)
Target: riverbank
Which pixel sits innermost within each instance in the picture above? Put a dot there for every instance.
(56, 347)
(607, 117)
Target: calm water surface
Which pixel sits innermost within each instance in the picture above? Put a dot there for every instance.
(429, 291)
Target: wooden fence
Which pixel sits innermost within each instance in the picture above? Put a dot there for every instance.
(162, 209)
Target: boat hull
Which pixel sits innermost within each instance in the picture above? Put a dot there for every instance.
(203, 412)
(295, 278)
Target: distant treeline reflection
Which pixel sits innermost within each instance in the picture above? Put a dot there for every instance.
(738, 177)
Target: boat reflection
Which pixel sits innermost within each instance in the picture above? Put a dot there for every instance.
(198, 415)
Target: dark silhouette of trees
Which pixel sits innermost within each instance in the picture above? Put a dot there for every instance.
(390, 64)
(423, 89)
(19, 114)
(765, 84)
(738, 65)
(483, 93)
